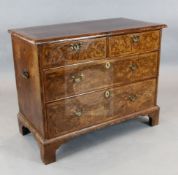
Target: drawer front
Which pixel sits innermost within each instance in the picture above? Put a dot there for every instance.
(134, 43)
(86, 110)
(72, 80)
(64, 53)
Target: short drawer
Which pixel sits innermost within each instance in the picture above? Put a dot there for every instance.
(134, 43)
(76, 79)
(64, 53)
(86, 110)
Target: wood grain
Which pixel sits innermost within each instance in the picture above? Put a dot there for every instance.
(125, 45)
(96, 108)
(76, 78)
(61, 82)
(62, 53)
(102, 27)
(29, 96)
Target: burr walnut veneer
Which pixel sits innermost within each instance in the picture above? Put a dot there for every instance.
(79, 77)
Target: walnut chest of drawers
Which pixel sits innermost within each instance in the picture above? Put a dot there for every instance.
(79, 77)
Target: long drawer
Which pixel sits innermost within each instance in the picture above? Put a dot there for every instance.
(76, 79)
(134, 43)
(70, 52)
(86, 110)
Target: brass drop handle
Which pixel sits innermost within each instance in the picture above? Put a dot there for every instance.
(78, 78)
(78, 112)
(107, 94)
(133, 67)
(132, 98)
(135, 38)
(25, 74)
(75, 47)
(107, 65)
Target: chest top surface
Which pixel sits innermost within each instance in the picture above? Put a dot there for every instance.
(84, 28)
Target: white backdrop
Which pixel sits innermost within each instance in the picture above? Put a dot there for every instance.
(132, 148)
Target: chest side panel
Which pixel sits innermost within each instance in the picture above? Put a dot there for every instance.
(28, 82)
